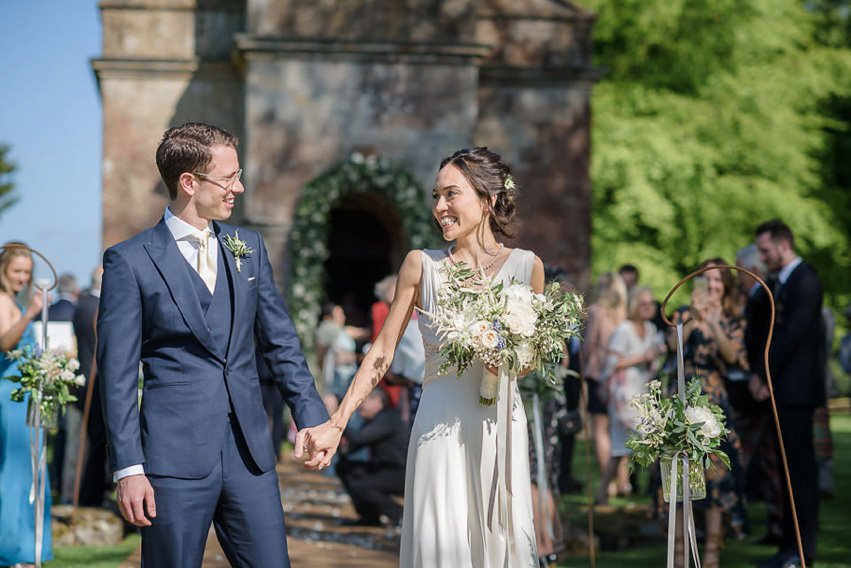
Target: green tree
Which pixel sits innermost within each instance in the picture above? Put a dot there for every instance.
(6, 185)
(711, 119)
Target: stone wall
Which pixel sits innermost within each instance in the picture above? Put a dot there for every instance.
(306, 82)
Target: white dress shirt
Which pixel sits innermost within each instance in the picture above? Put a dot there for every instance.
(188, 247)
(786, 271)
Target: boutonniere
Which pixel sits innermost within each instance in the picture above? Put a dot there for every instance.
(238, 248)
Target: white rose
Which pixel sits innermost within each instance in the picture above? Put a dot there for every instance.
(522, 321)
(518, 293)
(525, 353)
(478, 328)
(73, 364)
(711, 428)
(490, 339)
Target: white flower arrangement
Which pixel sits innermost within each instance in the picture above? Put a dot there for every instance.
(49, 373)
(508, 326)
(668, 426)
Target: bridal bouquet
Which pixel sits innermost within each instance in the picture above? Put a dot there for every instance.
(503, 326)
(48, 376)
(669, 426)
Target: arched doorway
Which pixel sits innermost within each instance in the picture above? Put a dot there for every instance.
(352, 226)
(365, 244)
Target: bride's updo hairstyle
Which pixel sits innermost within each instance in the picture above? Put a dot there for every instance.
(489, 176)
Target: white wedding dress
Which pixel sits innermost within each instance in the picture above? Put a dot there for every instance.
(468, 497)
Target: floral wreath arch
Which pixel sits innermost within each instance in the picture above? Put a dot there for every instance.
(309, 234)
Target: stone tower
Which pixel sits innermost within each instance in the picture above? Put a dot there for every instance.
(305, 83)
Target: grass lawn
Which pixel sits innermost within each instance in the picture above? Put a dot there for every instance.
(834, 544)
(94, 556)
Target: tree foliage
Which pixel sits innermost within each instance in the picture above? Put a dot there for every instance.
(713, 117)
(6, 185)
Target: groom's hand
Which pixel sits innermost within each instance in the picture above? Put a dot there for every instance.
(319, 443)
(135, 497)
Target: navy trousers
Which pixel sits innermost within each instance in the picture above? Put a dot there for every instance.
(243, 503)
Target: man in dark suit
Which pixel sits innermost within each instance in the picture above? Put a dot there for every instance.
(796, 365)
(94, 484)
(188, 297)
(373, 483)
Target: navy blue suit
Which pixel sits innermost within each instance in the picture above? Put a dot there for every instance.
(200, 431)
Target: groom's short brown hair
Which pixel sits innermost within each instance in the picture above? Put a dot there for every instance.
(186, 148)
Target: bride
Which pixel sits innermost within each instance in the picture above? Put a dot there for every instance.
(467, 490)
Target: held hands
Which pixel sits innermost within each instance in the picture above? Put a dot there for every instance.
(318, 444)
(135, 497)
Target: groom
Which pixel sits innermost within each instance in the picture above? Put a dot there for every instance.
(191, 299)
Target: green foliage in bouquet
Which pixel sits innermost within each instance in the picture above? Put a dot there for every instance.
(667, 425)
(499, 324)
(50, 373)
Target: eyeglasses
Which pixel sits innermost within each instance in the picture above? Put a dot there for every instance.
(230, 181)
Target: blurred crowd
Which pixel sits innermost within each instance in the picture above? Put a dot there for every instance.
(625, 344)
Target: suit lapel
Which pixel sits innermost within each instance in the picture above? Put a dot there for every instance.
(172, 268)
(232, 275)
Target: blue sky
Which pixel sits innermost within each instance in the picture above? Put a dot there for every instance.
(50, 115)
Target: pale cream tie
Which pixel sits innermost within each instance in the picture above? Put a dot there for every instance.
(205, 264)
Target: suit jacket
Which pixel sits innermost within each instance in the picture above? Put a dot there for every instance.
(84, 330)
(757, 320)
(150, 311)
(797, 347)
(63, 310)
(386, 435)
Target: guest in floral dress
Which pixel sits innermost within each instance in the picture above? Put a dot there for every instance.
(712, 343)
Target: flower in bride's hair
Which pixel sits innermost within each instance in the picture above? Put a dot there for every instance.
(490, 339)
(509, 183)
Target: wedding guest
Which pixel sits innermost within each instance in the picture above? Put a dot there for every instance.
(712, 341)
(95, 481)
(629, 273)
(752, 410)
(408, 369)
(373, 484)
(385, 290)
(605, 313)
(797, 371)
(17, 517)
(336, 351)
(633, 349)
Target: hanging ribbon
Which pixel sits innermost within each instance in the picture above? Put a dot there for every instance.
(501, 493)
(689, 533)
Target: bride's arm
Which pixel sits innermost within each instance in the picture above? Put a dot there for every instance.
(320, 442)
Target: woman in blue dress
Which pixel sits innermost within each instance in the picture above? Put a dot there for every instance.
(17, 516)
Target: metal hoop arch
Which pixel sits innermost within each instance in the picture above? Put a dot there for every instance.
(38, 254)
(768, 379)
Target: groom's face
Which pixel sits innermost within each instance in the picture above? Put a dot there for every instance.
(214, 193)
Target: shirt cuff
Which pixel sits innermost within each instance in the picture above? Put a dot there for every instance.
(137, 469)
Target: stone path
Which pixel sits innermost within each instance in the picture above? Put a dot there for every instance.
(314, 505)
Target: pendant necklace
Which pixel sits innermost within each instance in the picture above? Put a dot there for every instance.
(484, 268)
